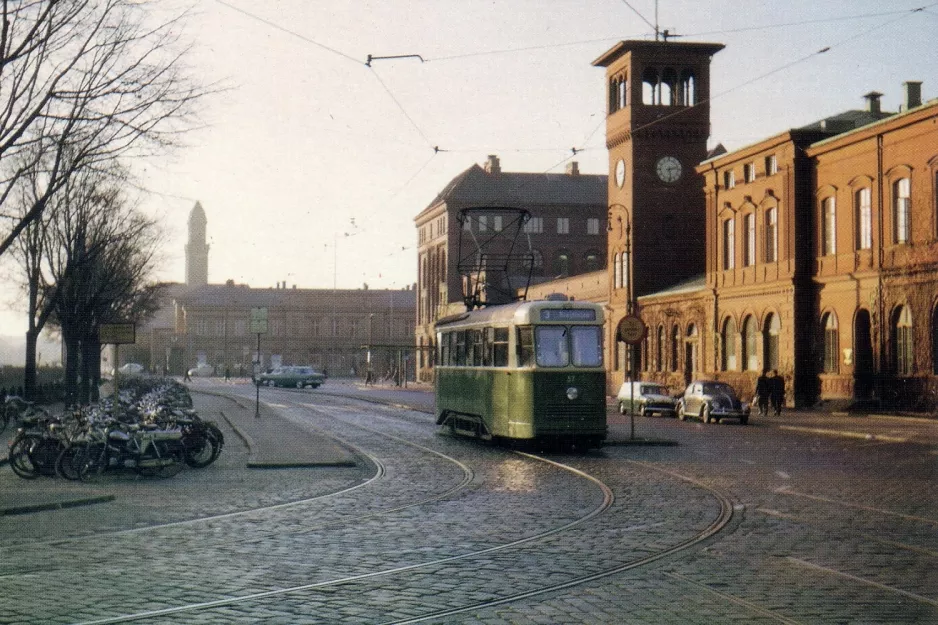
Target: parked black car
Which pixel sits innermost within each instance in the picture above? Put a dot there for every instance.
(711, 401)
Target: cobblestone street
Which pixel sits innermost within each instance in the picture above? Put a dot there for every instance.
(775, 522)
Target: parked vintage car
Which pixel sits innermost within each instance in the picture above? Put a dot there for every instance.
(131, 369)
(202, 371)
(646, 398)
(712, 401)
(297, 376)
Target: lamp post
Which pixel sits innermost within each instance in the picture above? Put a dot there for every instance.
(368, 371)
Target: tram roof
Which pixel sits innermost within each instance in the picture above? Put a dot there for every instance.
(515, 312)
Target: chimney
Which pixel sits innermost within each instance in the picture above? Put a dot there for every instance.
(872, 104)
(492, 166)
(573, 168)
(913, 94)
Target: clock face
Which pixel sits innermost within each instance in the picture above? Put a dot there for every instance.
(620, 173)
(668, 169)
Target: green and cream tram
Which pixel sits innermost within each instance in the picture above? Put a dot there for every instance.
(523, 371)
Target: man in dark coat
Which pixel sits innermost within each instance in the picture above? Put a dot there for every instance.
(777, 392)
(763, 391)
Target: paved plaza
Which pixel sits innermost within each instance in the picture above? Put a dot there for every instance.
(810, 518)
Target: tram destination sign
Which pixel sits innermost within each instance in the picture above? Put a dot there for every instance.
(568, 314)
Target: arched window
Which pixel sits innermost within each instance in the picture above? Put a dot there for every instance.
(902, 209)
(863, 216)
(770, 332)
(563, 264)
(535, 263)
(669, 87)
(624, 259)
(902, 340)
(623, 94)
(675, 347)
(690, 354)
(592, 261)
(771, 235)
(750, 341)
(659, 349)
(651, 89)
(688, 88)
(616, 272)
(728, 340)
(831, 343)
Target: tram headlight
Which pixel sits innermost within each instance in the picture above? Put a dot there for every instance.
(572, 393)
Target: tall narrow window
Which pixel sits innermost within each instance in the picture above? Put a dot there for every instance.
(592, 225)
(771, 165)
(729, 179)
(771, 235)
(616, 272)
(625, 270)
(483, 223)
(675, 346)
(902, 208)
(750, 342)
(728, 340)
(829, 230)
(831, 362)
(902, 333)
(563, 225)
(659, 350)
(729, 244)
(770, 341)
(749, 222)
(864, 219)
(497, 223)
(749, 172)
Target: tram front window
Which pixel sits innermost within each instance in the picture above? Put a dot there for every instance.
(551, 342)
(587, 343)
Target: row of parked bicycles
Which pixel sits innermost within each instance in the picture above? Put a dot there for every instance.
(149, 428)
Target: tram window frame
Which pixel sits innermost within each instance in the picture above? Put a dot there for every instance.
(552, 350)
(477, 347)
(460, 359)
(444, 345)
(583, 338)
(500, 347)
(488, 340)
(524, 347)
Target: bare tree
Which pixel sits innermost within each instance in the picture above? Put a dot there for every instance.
(83, 82)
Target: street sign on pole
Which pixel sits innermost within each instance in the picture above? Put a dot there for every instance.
(632, 329)
(259, 320)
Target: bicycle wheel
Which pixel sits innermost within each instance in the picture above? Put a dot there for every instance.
(65, 464)
(21, 457)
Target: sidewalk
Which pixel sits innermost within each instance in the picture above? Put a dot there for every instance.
(273, 441)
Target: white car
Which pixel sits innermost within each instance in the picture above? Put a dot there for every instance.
(646, 398)
(131, 368)
(202, 371)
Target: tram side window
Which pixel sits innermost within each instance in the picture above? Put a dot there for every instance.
(587, 346)
(551, 344)
(443, 342)
(460, 348)
(488, 339)
(500, 347)
(476, 348)
(526, 346)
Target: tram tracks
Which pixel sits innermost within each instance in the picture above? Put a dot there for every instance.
(721, 519)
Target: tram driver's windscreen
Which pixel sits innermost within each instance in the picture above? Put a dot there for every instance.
(554, 345)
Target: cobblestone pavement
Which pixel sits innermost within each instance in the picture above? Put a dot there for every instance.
(730, 524)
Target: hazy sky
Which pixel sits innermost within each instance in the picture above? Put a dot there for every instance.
(308, 138)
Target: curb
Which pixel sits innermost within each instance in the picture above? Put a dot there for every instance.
(56, 505)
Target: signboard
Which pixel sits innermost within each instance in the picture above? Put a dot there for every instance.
(116, 334)
(568, 314)
(259, 320)
(632, 329)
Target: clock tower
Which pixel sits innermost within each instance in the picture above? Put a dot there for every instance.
(657, 127)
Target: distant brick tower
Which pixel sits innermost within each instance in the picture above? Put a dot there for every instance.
(197, 248)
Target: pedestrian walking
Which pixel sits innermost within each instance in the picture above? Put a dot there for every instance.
(763, 391)
(185, 377)
(227, 373)
(777, 393)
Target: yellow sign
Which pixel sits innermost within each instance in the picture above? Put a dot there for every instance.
(116, 334)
